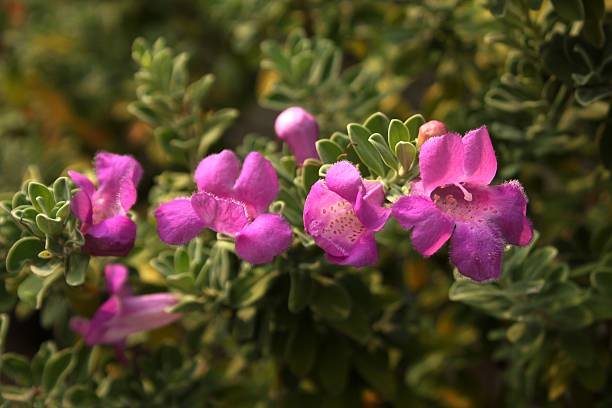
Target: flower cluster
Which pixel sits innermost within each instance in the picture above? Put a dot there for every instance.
(451, 200)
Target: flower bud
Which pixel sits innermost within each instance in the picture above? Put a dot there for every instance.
(429, 130)
(300, 130)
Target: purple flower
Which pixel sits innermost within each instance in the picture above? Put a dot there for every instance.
(233, 202)
(453, 197)
(300, 130)
(103, 212)
(123, 313)
(342, 214)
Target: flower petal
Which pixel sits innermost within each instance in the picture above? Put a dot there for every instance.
(111, 167)
(477, 250)
(98, 325)
(80, 326)
(82, 182)
(431, 227)
(441, 161)
(118, 176)
(344, 179)
(112, 237)
(480, 164)
(331, 221)
(81, 208)
(509, 204)
(177, 222)
(267, 236)
(369, 210)
(117, 279)
(135, 314)
(364, 253)
(217, 173)
(224, 215)
(257, 184)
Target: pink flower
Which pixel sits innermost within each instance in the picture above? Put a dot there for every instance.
(454, 198)
(300, 130)
(123, 313)
(233, 202)
(103, 212)
(342, 214)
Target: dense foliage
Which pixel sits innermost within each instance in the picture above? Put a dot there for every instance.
(299, 330)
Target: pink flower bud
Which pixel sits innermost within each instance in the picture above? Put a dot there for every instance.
(300, 130)
(429, 130)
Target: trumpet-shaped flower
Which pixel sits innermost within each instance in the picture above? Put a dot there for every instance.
(123, 313)
(342, 214)
(233, 202)
(107, 229)
(300, 130)
(453, 199)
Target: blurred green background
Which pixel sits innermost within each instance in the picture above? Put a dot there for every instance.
(537, 73)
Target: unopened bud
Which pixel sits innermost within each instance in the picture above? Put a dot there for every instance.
(300, 130)
(429, 130)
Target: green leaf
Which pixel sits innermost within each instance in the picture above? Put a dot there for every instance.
(41, 197)
(340, 139)
(601, 279)
(367, 153)
(33, 289)
(593, 28)
(301, 290)
(398, 132)
(181, 260)
(301, 349)
(144, 113)
(274, 53)
(605, 142)
(185, 282)
(80, 395)
(63, 211)
(50, 226)
(250, 287)
(333, 365)
(180, 75)
(377, 123)
(56, 369)
(406, 153)
(515, 332)
(4, 326)
(16, 368)
(29, 289)
(413, 124)
(374, 370)
(569, 10)
(46, 269)
(328, 151)
(310, 173)
(572, 318)
(19, 199)
(330, 300)
(381, 145)
(61, 189)
(22, 252)
(78, 264)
